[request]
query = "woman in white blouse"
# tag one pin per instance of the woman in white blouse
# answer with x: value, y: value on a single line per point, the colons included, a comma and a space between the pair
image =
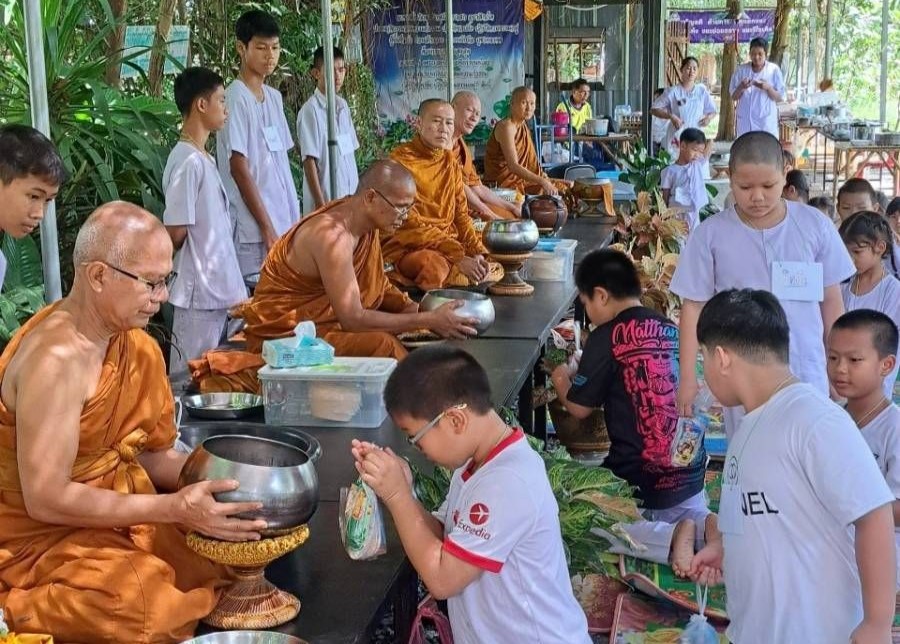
x: 757, y: 87
x: 687, y: 104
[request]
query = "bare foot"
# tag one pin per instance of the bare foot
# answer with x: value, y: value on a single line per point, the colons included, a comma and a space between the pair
x: 683, y: 547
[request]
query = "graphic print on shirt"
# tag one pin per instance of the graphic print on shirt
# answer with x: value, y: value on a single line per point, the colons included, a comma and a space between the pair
x: 647, y: 349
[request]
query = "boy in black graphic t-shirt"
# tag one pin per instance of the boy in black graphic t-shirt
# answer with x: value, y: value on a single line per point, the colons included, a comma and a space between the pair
x: 630, y: 368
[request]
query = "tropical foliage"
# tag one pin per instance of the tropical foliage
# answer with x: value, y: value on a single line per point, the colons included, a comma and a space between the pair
x: 23, y: 286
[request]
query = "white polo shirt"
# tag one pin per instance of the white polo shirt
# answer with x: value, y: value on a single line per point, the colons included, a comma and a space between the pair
x: 208, y: 273
x: 503, y: 518
x: 260, y: 132
x: 312, y: 134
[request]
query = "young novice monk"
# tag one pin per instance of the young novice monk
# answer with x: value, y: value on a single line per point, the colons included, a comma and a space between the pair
x: 494, y: 548
x: 763, y: 242
x: 683, y: 182
x: 862, y: 349
x: 252, y: 148
x: 31, y: 173
x: 312, y: 134
x: 855, y: 196
x: 630, y: 368
x: 805, y: 515
x: 208, y: 280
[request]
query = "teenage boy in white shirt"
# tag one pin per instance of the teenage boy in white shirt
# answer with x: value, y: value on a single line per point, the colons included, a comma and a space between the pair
x: 805, y: 515
x: 252, y: 149
x: 862, y: 349
x: 494, y: 548
x: 312, y: 134
x: 198, y: 220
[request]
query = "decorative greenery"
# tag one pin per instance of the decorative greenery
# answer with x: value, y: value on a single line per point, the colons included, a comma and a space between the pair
x: 643, y: 170
x: 23, y: 286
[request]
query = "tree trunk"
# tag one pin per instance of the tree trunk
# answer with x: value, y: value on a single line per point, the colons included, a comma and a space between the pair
x: 158, y: 54
x: 781, y: 36
x: 729, y: 64
x: 115, y: 43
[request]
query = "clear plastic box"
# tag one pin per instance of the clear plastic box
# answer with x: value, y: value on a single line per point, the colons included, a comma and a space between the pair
x: 346, y: 393
x: 552, y: 260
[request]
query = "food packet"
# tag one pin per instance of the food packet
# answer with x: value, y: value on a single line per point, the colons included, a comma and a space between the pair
x: 687, y: 445
x: 361, y: 523
x: 698, y: 630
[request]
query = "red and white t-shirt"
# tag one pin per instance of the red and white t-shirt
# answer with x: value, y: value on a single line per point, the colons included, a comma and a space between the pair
x: 504, y: 519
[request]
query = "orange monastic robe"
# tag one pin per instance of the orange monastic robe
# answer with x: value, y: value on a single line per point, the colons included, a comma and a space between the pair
x: 470, y: 176
x: 139, y: 584
x: 284, y: 298
x: 496, y: 168
x: 439, y: 231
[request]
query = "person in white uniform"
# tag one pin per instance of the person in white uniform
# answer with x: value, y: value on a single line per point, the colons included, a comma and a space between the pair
x: 31, y: 174
x: 862, y: 347
x: 757, y: 87
x: 683, y: 182
x: 252, y: 149
x: 208, y: 279
x: 807, y: 547
x: 312, y: 135
x: 763, y: 242
x: 687, y: 104
x: 494, y: 548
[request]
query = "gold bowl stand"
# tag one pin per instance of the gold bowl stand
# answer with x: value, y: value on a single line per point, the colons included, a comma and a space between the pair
x: 512, y: 283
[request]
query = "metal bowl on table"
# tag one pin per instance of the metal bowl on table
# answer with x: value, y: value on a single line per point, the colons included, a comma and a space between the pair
x: 193, y: 434
x: 246, y: 637
x: 278, y: 475
x: 511, y: 235
x: 590, y: 188
x: 222, y: 406
x: 507, y: 194
x: 475, y: 305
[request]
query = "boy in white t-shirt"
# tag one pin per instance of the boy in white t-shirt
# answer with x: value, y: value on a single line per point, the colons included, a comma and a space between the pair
x: 763, y: 242
x: 252, y: 148
x: 808, y: 550
x: 312, y: 134
x: 198, y: 220
x: 862, y: 348
x: 683, y: 182
x: 494, y: 548
x: 31, y: 173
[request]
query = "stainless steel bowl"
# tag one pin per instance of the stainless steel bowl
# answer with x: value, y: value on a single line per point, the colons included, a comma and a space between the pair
x: 222, y: 406
x: 475, y: 305
x: 510, y: 235
x: 279, y: 475
x: 193, y: 434
x: 246, y: 637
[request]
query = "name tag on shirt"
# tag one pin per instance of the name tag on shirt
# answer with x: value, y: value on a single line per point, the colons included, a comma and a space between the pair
x: 273, y: 139
x: 345, y: 144
x: 798, y: 281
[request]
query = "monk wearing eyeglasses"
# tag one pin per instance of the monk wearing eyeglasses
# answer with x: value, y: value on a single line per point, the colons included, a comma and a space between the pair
x: 92, y: 540
x: 438, y: 245
x: 329, y: 269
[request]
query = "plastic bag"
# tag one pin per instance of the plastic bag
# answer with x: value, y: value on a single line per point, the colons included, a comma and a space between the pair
x: 428, y: 610
x: 698, y: 630
x: 361, y: 523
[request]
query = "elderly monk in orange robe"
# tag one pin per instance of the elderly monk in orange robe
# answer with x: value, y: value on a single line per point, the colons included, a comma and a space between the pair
x: 483, y: 203
x: 329, y: 269
x: 90, y: 544
x: 437, y: 246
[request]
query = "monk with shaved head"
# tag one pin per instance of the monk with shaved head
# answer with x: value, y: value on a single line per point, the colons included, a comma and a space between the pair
x: 483, y: 203
x: 329, y: 269
x: 438, y: 245
x: 91, y: 541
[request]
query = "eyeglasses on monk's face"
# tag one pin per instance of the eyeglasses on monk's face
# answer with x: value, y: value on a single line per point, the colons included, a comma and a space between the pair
x: 418, y: 435
x: 153, y: 288
x: 402, y: 212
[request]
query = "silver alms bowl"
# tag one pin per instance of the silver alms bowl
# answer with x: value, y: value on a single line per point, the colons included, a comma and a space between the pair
x: 475, y: 305
x: 510, y: 235
x: 276, y: 474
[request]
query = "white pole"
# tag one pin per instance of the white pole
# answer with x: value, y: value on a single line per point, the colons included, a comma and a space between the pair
x: 328, y: 48
x: 40, y: 119
x: 829, y: 33
x: 812, y: 58
x: 450, y: 79
x: 885, y: 23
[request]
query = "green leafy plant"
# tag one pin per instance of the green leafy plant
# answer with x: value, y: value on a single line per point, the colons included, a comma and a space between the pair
x: 643, y: 170
x: 23, y: 287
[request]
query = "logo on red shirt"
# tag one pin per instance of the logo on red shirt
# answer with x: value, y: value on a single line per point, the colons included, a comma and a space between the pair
x: 479, y: 514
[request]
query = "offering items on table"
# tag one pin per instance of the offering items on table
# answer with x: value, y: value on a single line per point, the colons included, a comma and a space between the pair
x: 510, y: 244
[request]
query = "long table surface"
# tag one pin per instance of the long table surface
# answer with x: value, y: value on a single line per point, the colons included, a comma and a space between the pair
x: 531, y: 316
x: 590, y: 234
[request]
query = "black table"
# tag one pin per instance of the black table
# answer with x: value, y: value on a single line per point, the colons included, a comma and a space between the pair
x: 590, y: 234
x: 531, y: 317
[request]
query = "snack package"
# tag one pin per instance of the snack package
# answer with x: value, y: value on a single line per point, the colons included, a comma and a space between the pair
x: 304, y: 349
x: 688, y: 442
x: 698, y: 630
x: 362, y: 527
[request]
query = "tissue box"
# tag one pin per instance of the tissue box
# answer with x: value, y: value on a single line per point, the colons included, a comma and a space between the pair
x: 285, y: 353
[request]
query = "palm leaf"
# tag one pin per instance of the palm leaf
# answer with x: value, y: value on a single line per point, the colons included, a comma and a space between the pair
x: 23, y: 263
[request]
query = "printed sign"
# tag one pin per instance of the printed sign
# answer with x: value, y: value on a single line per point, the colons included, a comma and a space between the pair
x: 717, y: 27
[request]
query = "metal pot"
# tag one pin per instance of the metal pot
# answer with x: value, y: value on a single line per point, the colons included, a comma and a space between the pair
x: 510, y: 235
x: 279, y: 475
x: 861, y: 131
x: 475, y: 305
x: 547, y: 211
x: 194, y: 433
x: 590, y: 188
x: 887, y: 138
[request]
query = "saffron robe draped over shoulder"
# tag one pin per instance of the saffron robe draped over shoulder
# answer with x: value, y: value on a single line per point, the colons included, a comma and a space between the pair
x: 439, y: 230
x: 496, y: 167
x: 463, y: 155
x: 138, y: 584
x: 283, y: 298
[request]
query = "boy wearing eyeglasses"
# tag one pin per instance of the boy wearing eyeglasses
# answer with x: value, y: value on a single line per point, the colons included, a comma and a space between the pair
x: 494, y: 548
x: 198, y: 220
